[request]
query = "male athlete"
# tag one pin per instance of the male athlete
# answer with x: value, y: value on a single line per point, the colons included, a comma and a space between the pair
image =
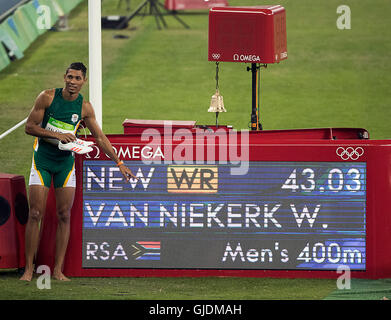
x: 54, y: 120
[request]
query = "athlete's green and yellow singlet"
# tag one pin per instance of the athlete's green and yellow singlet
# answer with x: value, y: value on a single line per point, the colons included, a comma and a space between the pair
x: 48, y: 160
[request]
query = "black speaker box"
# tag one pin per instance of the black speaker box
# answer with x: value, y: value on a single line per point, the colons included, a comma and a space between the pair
x: 112, y: 22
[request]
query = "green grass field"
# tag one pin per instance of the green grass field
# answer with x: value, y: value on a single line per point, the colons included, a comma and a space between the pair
x: 332, y: 78
x: 168, y: 289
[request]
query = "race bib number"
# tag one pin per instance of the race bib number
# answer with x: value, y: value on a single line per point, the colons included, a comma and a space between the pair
x: 58, y: 126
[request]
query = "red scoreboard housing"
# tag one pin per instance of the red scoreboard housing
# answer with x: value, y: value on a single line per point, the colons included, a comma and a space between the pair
x: 247, y: 34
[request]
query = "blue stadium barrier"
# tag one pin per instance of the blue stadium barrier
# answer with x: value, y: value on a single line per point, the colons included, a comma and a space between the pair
x: 27, y: 23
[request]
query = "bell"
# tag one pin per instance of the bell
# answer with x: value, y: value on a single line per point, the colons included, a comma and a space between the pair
x: 217, y: 103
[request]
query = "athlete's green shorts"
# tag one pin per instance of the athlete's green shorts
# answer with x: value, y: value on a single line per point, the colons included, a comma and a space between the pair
x: 44, y: 168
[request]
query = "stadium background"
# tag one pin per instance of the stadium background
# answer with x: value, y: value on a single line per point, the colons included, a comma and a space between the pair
x: 332, y: 78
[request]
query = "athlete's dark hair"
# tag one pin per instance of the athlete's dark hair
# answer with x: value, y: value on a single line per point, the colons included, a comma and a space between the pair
x: 78, y: 66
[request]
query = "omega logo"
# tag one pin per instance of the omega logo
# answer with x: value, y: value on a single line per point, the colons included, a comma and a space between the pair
x: 246, y: 57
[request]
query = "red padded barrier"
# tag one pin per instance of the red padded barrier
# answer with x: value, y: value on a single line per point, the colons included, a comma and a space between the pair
x: 13, y: 218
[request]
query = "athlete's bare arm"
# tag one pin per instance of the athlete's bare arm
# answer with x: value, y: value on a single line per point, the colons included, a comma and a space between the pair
x: 34, y: 120
x: 88, y: 115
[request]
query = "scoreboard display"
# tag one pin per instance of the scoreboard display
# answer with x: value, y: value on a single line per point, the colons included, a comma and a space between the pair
x: 279, y: 215
x: 281, y: 203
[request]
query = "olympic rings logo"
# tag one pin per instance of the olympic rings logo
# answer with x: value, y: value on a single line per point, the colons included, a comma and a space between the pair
x: 350, y: 153
x: 216, y: 56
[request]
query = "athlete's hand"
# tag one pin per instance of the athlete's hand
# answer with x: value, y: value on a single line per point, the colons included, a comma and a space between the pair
x: 127, y: 173
x: 66, y: 137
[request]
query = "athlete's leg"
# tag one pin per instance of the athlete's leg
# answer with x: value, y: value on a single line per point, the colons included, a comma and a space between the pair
x: 37, y: 203
x: 64, y: 202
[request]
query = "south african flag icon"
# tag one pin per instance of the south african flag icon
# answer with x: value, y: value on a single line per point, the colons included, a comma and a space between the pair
x: 150, y: 249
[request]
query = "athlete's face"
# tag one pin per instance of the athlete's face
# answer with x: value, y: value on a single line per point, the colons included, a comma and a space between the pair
x: 74, y: 80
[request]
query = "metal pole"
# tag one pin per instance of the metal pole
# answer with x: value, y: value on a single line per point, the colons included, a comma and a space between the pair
x: 95, y: 57
x: 254, y: 118
x: 12, y: 129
